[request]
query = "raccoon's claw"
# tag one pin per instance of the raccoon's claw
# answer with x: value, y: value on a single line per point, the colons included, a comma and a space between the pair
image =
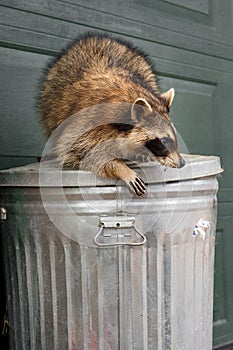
x: 137, y: 186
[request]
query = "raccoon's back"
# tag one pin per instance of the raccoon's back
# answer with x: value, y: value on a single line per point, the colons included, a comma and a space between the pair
x: 94, y: 69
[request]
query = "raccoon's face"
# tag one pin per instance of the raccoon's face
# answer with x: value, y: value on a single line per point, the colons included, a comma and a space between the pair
x: 156, y: 134
x: 163, y: 145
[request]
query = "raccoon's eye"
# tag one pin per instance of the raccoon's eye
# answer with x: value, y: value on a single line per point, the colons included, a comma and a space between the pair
x: 164, y: 141
x: 168, y: 143
x: 157, y: 147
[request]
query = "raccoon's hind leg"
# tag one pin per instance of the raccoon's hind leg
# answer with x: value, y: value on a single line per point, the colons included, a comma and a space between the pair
x: 117, y: 169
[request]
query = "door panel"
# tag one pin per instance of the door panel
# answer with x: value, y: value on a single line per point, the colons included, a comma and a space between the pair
x: 193, y: 105
x: 21, y: 136
x: 223, y: 317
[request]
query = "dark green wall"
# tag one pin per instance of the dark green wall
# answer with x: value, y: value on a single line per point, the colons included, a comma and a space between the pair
x: 191, y: 43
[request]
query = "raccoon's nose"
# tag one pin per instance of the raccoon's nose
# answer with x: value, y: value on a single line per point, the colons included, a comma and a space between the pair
x: 182, y: 162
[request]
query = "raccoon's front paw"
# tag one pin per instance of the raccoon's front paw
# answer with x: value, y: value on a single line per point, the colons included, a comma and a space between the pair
x: 136, y: 186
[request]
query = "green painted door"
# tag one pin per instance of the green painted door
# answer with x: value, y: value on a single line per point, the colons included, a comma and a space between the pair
x: 191, y: 43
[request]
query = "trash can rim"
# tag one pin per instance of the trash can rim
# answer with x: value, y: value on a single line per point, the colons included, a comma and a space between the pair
x: 197, y: 166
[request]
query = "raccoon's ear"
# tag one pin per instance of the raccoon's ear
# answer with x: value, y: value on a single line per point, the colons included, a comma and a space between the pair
x: 139, y: 107
x: 169, y: 96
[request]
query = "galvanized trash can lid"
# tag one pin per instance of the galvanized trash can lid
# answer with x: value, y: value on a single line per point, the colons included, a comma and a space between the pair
x: 197, y: 166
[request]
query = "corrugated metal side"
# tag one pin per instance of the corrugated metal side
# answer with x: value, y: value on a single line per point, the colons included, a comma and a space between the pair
x: 72, y: 295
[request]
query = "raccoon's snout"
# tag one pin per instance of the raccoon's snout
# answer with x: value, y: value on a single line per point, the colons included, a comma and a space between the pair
x: 181, y: 162
x: 172, y: 160
x: 165, y: 150
x: 178, y: 161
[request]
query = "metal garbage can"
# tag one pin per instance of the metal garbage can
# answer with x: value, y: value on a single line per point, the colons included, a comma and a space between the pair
x: 88, y: 267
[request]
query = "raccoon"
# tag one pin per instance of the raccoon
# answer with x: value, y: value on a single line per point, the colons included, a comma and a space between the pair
x: 110, y: 88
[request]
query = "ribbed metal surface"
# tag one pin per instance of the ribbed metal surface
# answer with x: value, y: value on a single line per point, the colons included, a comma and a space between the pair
x: 70, y: 294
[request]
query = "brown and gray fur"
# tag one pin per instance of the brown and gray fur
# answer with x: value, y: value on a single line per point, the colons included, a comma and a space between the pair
x: 111, y: 90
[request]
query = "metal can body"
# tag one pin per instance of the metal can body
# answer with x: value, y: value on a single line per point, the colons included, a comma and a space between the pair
x: 67, y: 292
